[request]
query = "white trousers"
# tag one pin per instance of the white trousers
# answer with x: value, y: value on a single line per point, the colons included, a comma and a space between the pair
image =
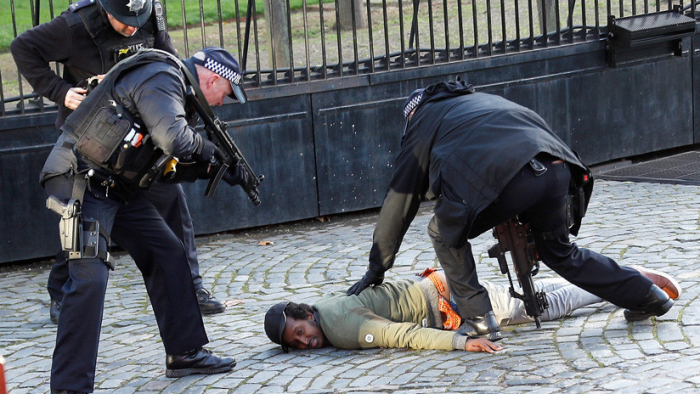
x: 563, y: 298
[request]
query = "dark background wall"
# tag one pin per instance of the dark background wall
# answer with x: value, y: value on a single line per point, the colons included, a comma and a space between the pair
x: 328, y: 148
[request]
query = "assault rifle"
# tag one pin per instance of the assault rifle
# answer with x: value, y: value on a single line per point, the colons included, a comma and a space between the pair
x: 515, y: 238
x: 216, y: 132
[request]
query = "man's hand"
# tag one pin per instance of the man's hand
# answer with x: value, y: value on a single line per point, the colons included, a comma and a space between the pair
x: 206, y: 151
x: 236, y: 175
x: 371, y: 278
x: 481, y: 345
x: 74, y: 96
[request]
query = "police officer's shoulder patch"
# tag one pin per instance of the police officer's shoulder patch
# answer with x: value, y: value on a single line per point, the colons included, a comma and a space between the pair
x: 80, y: 4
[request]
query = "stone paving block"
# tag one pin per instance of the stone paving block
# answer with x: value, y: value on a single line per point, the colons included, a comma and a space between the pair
x: 651, y: 225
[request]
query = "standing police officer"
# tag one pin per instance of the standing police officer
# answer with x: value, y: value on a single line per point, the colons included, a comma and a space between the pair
x: 89, y: 39
x: 132, y: 130
x: 487, y: 159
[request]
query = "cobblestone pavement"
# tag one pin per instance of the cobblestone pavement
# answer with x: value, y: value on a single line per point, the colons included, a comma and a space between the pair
x: 593, y: 351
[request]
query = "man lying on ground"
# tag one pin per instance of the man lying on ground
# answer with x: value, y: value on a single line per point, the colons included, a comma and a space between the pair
x: 417, y: 314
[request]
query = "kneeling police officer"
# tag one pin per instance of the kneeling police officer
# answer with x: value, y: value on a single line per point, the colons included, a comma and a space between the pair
x: 135, y: 126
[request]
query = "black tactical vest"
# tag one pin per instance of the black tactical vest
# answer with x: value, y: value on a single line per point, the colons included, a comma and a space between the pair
x: 112, y: 46
x: 105, y: 134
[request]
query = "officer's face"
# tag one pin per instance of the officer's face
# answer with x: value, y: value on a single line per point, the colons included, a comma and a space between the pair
x: 303, y: 334
x: 125, y: 30
x: 215, y: 89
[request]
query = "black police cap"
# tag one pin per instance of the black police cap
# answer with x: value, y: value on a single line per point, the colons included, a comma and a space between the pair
x: 129, y: 12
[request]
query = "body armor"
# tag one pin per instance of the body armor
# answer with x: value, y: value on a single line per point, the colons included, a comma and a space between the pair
x: 107, y: 135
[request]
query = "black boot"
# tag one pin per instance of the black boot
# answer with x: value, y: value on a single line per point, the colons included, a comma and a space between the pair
x: 208, y: 304
x: 656, y: 303
x: 54, y: 391
x: 197, y: 361
x: 481, y: 327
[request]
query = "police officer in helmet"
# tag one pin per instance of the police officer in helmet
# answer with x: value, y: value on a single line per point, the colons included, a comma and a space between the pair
x: 128, y: 133
x: 89, y: 39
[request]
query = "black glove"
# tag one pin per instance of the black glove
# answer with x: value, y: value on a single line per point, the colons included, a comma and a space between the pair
x: 236, y: 175
x: 205, y: 151
x: 371, y: 278
x: 187, y: 172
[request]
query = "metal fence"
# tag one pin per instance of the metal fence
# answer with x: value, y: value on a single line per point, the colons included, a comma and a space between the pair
x: 383, y: 35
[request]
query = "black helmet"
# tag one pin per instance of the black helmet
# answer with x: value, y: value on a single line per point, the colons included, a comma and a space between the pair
x: 129, y: 12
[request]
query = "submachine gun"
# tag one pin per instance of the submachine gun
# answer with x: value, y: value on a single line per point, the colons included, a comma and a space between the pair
x: 216, y: 132
x: 516, y: 238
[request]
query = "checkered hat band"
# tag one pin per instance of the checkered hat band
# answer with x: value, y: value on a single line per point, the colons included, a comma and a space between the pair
x: 223, y: 71
x: 411, y: 105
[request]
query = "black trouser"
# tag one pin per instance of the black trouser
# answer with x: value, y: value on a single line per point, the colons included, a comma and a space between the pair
x: 161, y: 257
x: 539, y: 200
x: 171, y: 203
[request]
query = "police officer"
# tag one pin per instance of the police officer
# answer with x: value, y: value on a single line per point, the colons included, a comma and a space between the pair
x: 118, y: 141
x: 89, y: 39
x: 486, y: 160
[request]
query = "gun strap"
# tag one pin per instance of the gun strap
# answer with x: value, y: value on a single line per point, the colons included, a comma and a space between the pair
x: 199, y: 95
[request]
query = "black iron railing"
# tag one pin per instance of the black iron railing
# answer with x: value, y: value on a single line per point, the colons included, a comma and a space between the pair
x: 381, y: 35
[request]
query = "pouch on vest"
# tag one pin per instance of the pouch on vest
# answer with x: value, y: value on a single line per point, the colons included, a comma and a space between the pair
x: 115, y: 142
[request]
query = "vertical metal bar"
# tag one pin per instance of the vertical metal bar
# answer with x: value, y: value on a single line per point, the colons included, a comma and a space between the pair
x: 431, y: 32
x: 201, y: 22
x: 20, y: 103
x: 489, y: 26
x: 622, y: 8
x: 401, y: 33
x: 634, y: 7
x: 324, y: 71
x: 221, y: 24
x: 306, y: 40
x: 476, y: 29
x: 545, y: 28
x: 461, y: 29
x: 370, y: 37
x: 503, y: 26
x: 291, y: 47
x: 584, y: 25
x: 570, y: 19
x: 2, y: 98
x: 184, y: 29
x: 32, y: 13
x: 271, y: 45
x: 354, y: 37
x: 258, y: 66
x: 241, y: 57
x: 387, y: 49
x: 646, y: 6
x: 339, y: 38
x: 414, y: 25
x: 248, y: 18
x: 532, y: 24
x: 557, y: 24
x: 597, y: 21
x: 447, y: 30
x: 517, y: 25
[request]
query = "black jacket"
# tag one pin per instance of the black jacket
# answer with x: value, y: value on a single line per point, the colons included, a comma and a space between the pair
x: 152, y: 91
x: 79, y: 39
x: 461, y: 148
